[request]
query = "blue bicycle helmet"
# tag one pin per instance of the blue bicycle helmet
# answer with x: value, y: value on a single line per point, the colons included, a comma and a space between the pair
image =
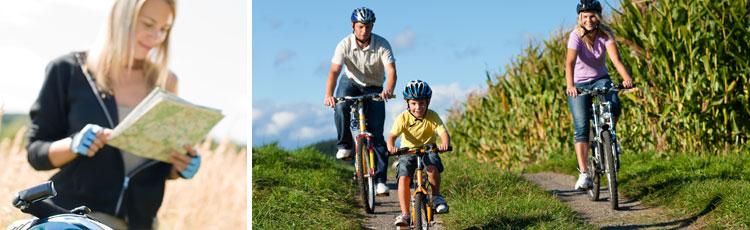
x: 589, y: 5
x: 363, y: 15
x: 417, y: 90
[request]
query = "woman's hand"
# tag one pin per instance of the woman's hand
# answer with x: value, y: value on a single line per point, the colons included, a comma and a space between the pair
x: 186, y: 166
x: 572, y: 91
x: 89, y: 140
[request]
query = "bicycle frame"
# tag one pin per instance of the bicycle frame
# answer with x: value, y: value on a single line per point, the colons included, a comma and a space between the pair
x: 363, y: 133
x: 420, y: 178
x: 603, y: 120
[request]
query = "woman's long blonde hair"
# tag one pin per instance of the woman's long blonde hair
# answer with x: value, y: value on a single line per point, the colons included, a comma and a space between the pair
x: 588, y: 38
x: 113, y: 54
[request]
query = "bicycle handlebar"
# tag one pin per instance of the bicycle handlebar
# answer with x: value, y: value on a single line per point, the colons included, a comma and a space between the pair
x: 603, y: 90
x: 371, y: 96
x: 424, y: 148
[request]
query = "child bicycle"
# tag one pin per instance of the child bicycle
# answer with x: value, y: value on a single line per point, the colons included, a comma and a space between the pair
x: 605, y: 150
x: 421, y: 209
x: 364, y: 157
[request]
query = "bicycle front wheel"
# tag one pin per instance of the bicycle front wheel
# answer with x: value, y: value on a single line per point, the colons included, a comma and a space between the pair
x: 611, y: 170
x: 364, y: 179
x: 593, y: 171
x: 419, y: 212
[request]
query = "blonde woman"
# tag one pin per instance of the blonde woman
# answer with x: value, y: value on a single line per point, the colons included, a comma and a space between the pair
x: 585, y: 68
x: 85, y: 95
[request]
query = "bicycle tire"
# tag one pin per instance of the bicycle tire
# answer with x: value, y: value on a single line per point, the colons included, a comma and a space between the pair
x: 594, y: 173
x: 360, y: 164
x: 611, y: 170
x: 370, y: 176
x: 420, y: 216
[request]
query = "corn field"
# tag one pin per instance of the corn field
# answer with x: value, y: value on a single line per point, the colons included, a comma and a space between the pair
x: 689, y: 58
x: 214, y: 199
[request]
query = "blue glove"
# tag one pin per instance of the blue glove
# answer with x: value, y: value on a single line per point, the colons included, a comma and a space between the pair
x: 83, y: 139
x: 192, y: 168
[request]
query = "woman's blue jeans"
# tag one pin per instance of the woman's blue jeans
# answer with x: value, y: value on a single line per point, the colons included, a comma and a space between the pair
x: 580, y: 107
x: 375, y: 115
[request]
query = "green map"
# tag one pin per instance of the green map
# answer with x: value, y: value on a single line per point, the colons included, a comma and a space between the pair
x: 161, y: 124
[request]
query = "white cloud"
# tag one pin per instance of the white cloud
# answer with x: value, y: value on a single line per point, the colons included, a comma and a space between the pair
x: 405, y: 39
x: 279, y: 122
x: 257, y: 113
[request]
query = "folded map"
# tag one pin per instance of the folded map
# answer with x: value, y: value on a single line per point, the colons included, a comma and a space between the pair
x: 161, y: 124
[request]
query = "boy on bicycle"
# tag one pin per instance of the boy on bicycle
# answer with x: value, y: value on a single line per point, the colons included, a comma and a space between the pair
x: 418, y: 126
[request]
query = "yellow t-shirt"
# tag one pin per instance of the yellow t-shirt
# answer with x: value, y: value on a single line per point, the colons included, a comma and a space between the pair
x: 415, y: 132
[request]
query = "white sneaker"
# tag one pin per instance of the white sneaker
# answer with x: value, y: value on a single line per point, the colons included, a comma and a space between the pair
x: 381, y: 189
x: 343, y: 154
x: 440, y: 205
x: 584, y: 182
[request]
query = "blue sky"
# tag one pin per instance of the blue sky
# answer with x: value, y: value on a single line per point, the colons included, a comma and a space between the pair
x: 449, y: 44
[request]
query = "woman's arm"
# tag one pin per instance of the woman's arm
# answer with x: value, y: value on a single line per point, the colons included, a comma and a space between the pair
x: 614, y: 56
x: 570, y: 59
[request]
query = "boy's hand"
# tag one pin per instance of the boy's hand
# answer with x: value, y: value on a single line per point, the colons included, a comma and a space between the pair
x: 391, y: 148
x: 443, y: 147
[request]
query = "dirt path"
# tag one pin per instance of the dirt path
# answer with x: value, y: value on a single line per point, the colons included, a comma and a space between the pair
x: 386, y: 210
x: 632, y: 215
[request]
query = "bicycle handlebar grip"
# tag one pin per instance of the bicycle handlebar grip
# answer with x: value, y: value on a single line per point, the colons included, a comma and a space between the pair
x: 36, y: 193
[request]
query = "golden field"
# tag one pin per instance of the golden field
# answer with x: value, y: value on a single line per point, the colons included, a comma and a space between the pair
x: 215, y: 198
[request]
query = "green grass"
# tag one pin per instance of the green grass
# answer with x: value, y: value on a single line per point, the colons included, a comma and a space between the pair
x: 715, y: 189
x: 481, y: 196
x: 301, y: 189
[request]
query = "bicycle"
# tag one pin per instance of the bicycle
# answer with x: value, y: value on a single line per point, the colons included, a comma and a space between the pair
x: 605, y: 150
x: 49, y: 215
x: 421, y: 202
x: 364, y: 157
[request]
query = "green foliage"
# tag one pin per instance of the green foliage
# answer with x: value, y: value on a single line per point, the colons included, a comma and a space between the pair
x: 483, y: 197
x: 301, y: 190
x: 688, y: 57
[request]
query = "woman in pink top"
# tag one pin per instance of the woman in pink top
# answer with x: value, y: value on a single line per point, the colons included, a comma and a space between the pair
x: 585, y: 68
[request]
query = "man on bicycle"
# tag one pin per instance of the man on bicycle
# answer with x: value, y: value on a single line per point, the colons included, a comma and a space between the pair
x: 367, y: 57
x: 418, y: 126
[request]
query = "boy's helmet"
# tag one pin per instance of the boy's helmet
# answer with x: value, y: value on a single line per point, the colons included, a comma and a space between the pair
x: 363, y: 15
x: 589, y: 5
x: 417, y: 90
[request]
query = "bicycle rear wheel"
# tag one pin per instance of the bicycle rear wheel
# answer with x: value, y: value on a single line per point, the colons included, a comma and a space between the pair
x: 611, y: 170
x: 364, y: 179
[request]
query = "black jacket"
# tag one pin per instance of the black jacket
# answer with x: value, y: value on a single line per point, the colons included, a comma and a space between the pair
x: 66, y: 103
